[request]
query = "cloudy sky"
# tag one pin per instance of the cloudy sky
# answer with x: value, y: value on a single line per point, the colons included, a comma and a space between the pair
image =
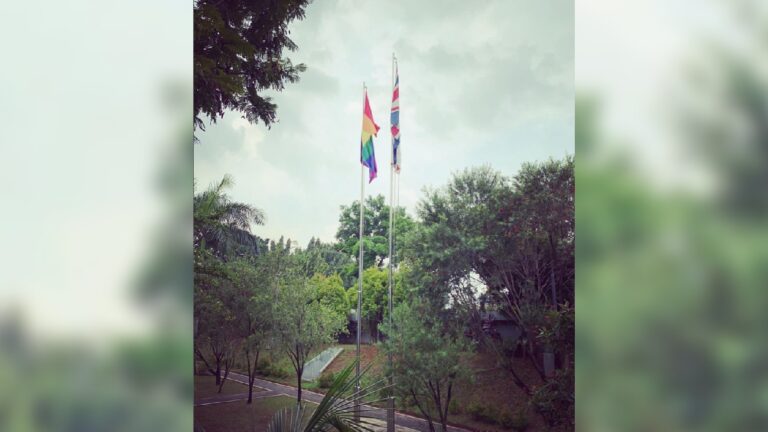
x: 480, y: 83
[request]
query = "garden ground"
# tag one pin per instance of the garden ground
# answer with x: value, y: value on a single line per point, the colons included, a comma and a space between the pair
x: 493, y: 386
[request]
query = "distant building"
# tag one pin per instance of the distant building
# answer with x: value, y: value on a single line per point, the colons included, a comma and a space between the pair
x: 351, y: 338
x: 500, y: 326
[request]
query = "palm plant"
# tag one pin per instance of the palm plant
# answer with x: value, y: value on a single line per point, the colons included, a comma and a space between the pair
x: 335, y: 412
x: 219, y: 222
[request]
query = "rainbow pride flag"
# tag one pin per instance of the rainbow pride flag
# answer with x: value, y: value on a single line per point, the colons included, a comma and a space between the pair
x: 370, y: 128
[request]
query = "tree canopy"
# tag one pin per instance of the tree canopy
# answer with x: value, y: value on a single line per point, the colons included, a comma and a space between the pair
x: 239, y: 54
x: 375, y: 231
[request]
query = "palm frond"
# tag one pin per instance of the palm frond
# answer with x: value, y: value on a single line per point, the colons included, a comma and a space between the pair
x: 336, y: 410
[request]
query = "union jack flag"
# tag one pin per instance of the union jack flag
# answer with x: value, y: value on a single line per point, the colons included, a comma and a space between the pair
x: 394, y: 120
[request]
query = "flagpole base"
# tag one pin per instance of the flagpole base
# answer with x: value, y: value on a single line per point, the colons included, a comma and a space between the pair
x: 357, y: 403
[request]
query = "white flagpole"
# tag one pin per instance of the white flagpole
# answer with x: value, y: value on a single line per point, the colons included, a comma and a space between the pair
x: 391, y: 402
x: 360, y: 276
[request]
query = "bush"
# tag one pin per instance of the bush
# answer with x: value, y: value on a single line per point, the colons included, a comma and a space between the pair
x: 505, y: 419
x: 519, y: 421
x: 454, y: 407
x: 483, y: 413
x: 276, y: 372
x: 264, y: 365
x: 555, y: 399
x: 326, y: 379
x: 475, y: 410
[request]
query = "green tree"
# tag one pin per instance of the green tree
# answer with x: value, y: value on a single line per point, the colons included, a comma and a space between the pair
x: 239, y: 53
x: 427, y: 360
x: 215, y: 321
x: 221, y: 224
x: 511, y: 241
x: 375, y: 296
x: 221, y: 227
x: 450, y: 248
x: 323, y: 258
x: 375, y: 231
x: 302, y: 322
x: 330, y: 293
x: 253, y: 305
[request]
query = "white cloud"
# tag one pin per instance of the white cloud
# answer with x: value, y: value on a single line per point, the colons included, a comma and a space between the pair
x: 252, y: 136
x: 480, y: 83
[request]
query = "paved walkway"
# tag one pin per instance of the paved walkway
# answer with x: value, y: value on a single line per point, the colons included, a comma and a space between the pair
x: 270, y: 389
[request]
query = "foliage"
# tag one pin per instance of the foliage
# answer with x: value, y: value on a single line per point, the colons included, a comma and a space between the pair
x: 556, y: 332
x: 276, y: 371
x: 484, y: 231
x: 483, y: 412
x: 223, y: 225
x: 335, y: 410
x: 375, y: 231
x: 518, y: 420
x: 554, y: 400
x: 253, y: 303
x: 238, y: 54
x: 427, y: 360
x: 488, y: 242
x: 376, y: 294
x: 326, y: 379
x: 302, y: 322
x: 331, y: 294
x: 324, y: 258
x: 454, y: 407
x: 264, y: 365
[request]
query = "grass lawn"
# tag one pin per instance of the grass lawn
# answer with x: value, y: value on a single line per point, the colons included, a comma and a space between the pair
x: 240, y: 417
x: 205, y: 386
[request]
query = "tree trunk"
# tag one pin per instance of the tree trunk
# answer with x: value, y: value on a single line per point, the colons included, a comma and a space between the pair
x: 423, y: 412
x: 251, y: 373
x: 218, y: 372
x: 552, y: 265
x: 227, y: 365
x: 299, y: 371
x: 554, y: 289
x: 444, y: 412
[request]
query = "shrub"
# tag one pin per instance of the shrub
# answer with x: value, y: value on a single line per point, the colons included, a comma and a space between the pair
x: 483, y: 413
x: 326, y: 379
x: 505, y: 419
x: 264, y: 365
x: 554, y: 400
x: 454, y: 407
x: 475, y: 410
x: 519, y: 421
x: 491, y: 414
x: 276, y: 372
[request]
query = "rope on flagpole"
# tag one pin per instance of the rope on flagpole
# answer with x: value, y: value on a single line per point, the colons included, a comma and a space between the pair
x: 360, y: 274
x: 391, y: 402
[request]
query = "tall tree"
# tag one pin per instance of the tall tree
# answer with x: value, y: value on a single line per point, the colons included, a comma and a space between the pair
x: 215, y: 325
x: 427, y: 360
x: 375, y: 297
x: 220, y: 224
x: 239, y: 53
x: 375, y: 231
x: 323, y: 258
x: 253, y: 303
x: 303, y: 323
x: 330, y: 293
